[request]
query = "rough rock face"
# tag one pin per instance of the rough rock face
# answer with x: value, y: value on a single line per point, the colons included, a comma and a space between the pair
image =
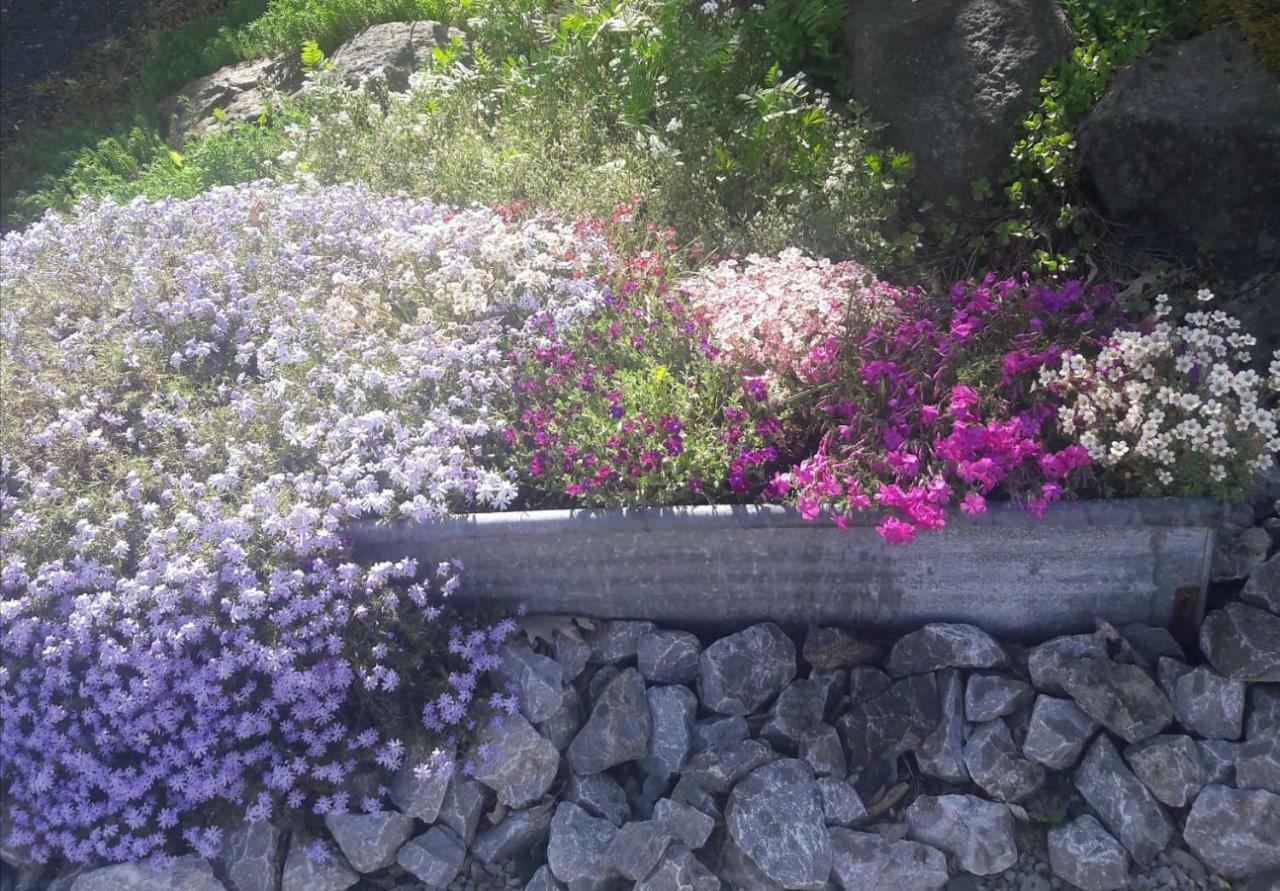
x: 1170, y: 767
x: 387, y: 54
x: 1126, y: 807
x: 242, y: 91
x: 1087, y: 856
x: 539, y: 681
x: 250, y: 856
x: 1243, y: 642
x: 1057, y: 733
x: 1234, y: 831
x: 528, y: 764
x: 184, y: 874
x: 668, y: 657
x: 996, y: 765
x: 739, y: 673
x: 978, y: 833
x: 679, y: 870
x: 941, y: 754
x: 1208, y: 704
x: 671, y: 716
x: 329, y: 873
x: 578, y: 843
x: 866, y: 860
x: 943, y: 645
x: 1263, y: 587
x: 1207, y: 115
x: 991, y: 696
x: 518, y: 831
x: 420, y: 784
x: 370, y: 841
x: 774, y: 814
x: 434, y: 857
x: 618, y: 729
x: 952, y: 79
x: 893, y: 722
x: 1048, y: 662
x: 1122, y: 698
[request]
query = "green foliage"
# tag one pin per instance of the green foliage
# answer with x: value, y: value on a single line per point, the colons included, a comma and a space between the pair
x: 1260, y: 21
x: 806, y: 35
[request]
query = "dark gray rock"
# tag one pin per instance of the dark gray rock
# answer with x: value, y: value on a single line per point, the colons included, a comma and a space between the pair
x: 688, y: 791
x: 991, y: 696
x: 617, y: 641
x: 1057, y: 733
x: 964, y: 74
x: 251, y: 856
x: 1047, y: 662
x: 873, y: 780
x: 841, y: 804
x: 740, y: 673
x: 1125, y: 806
x: 941, y: 753
x: 370, y: 841
x: 717, y: 768
x: 1263, y: 588
x: 1122, y: 698
x: 464, y: 803
x: 600, y: 796
x: 671, y: 712
x: 302, y: 873
x: 719, y: 729
x: 686, y: 824
x: 578, y: 843
x: 978, y: 833
x: 867, y: 682
x: 1243, y: 642
x: 618, y: 729
x: 941, y: 645
x: 738, y: 871
x: 564, y: 725
x: 1234, y: 831
x: 679, y: 870
x: 1208, y: 704
x: 637, y: 848
x: 434, y: 857
x: 1237, y: 555
x: 597, y: 679
x: 525, y: 763
x: 1170, y: 767
x: 801, y: 705
x: 1219, y: 759
x: 383, y: 56
x: 1264, y: 711
x: 572, y: 652
x: 1152, y: 643
x: 518, y: 832
x: 891, y: 723
x: 668, y: 657
x: 538, y: 681
x: 1258, y: 763
x: 820, y: 748
x: 420, y: 783
x: 1167, y: 673
x: 1086, y: 855
x: 863, y: 860
x: 775, y: 816
x: 543, y: 880
x: 182, y: 874
x: 997, y: 766
x: 830, y: 649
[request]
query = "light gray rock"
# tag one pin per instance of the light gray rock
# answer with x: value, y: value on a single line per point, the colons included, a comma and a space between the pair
x: 539, y: 681
x: 1047, y: 662
x: 525, y: 764
x: 183, y: 874
x: 251, y: 856
x: 687, y: 825
x: 1208, y: 704
x: 517, y: 832
x: 434, y: 857
x: 891, y: 723
x: 617, y: 641
x: 370, y: 841
x: 1057, y: 733
x: 801, y: 704
x: 240, y: 92
x: 719, y: 729
x: 672, y: 711
x: 1122, y: 698
x: 717, y: 768
x: 383, y: 56
x: 578, y: 843
x: 543, y: 880
x: 464, y: 803
x: 867, y: 682
x: 941, y: 645
x: 841, y: 804
x: 1237, y: 556
x: 774, y: 815
x: 820, y: 748
x: 941, y: 753
x: 864, y: 860
x: 1258, y: 762
x: 1263, y: 587
x: 302, y: 873
x: 996, y: 765
x: 637, y: 847
x: 978, y: 833
x: 1125, y: 806
x: 1243, y: 642
x: 740, y: 673
x: 679, y: 870
x: 1219, y: 759
x: 1170, y: 767
x: 1234, y: 831
x: 600, y: 796
x: 420, y: 783
x: 1086, y: 855
x: 618, y: 729
x: 568, y: 719
x: 830, y: 649
x: 668, y: 657
x: 572, y: 652
x: 991, y: 696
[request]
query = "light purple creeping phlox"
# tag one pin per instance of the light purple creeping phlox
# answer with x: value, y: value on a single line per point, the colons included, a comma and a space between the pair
x: 198, y: 394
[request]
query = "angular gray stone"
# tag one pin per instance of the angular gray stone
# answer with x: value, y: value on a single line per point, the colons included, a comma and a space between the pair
x: 1167, y: 673
x: 616, y: 641
x: 1237, y: 556
x: 328, y: 873
x: 1258, y: 763
x: 434, y: 857
x: 242, y: 92
x: 841, y: 804
x: 1219, y: 759
x: 801, y: 704
x: 1122, y: 698
x: 385, y: 55
x: 821, y: 749
x: 964, y: 75
x: 637, y: 848
x: 251, y: 855
x: 1264, y: 711
x: 738, y: 871
x: 618, y: 729
x: 717, y: 768
x: 668, y: 657
x: 740, y: 673
x: 688, y: 791
x: 599, y: 678
x: 1243, y: 642
x: 1152, y: 642
x: 420, y: 783
x: 183, y: 874
x: 1208, y: 704
x: 997, y: 766
x: 991, y: 696
x: 867, y: 682
x: 864, y: 860
x: 891, y: 723
x: 679, y: 870
x: 464, y: 803
x: 1263, y: 587
x: 1125, y: 806
x: 518, y: 831
x: 600, y: 796
x: 524, y: 765
x: 564, y: 725
x: 572, y: 652
x: 829, y: 649
x: 775, y: 816
x: 978, y: 833
x: 1170, y: 767
x: 1234, y: 831
x: 719, y: 729
x: 578, y: 843
x: 370, y: 841
x: 538, y: 681
x: 1086, y: 855
x: 941, y: 645
x: 543, y: 880
x: 1047, y: 662
x: 672, y: 711
x: 941, y: 754
x: 687, y: 825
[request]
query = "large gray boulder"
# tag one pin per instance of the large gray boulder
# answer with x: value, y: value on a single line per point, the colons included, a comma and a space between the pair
x: 1087, y: 856
x: 1057, y: 732
x: 239, y: 93
x: 1123, y: 698
x: 679, y: 870
x: 538, y: 680
x: 1234, y: 831
x: 996, y: 765
x: 775, y: 816
x: 434, y: 857
x: 327, y: 872
x: 370, y: 841
x: 251, y: 856
x: 740, y: 673
x: 1243, y: 642
x: 1125, y: 805
x: 578, y: 843
x: 618, y: 729
x: 383, y: 56
x: 945, y: 645
x: 1263, y: 587
x: 1170, y: 766
x: 952, y: 79
x: 1186, y: 145
x: 941, y: 754
x: 516, y: 833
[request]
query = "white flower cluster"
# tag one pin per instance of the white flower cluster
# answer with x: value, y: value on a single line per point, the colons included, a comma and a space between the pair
x: 1175, y: 410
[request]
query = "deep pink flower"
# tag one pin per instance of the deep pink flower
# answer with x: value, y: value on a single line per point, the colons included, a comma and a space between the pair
x: 894, y: 531
x: 973, y: 504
